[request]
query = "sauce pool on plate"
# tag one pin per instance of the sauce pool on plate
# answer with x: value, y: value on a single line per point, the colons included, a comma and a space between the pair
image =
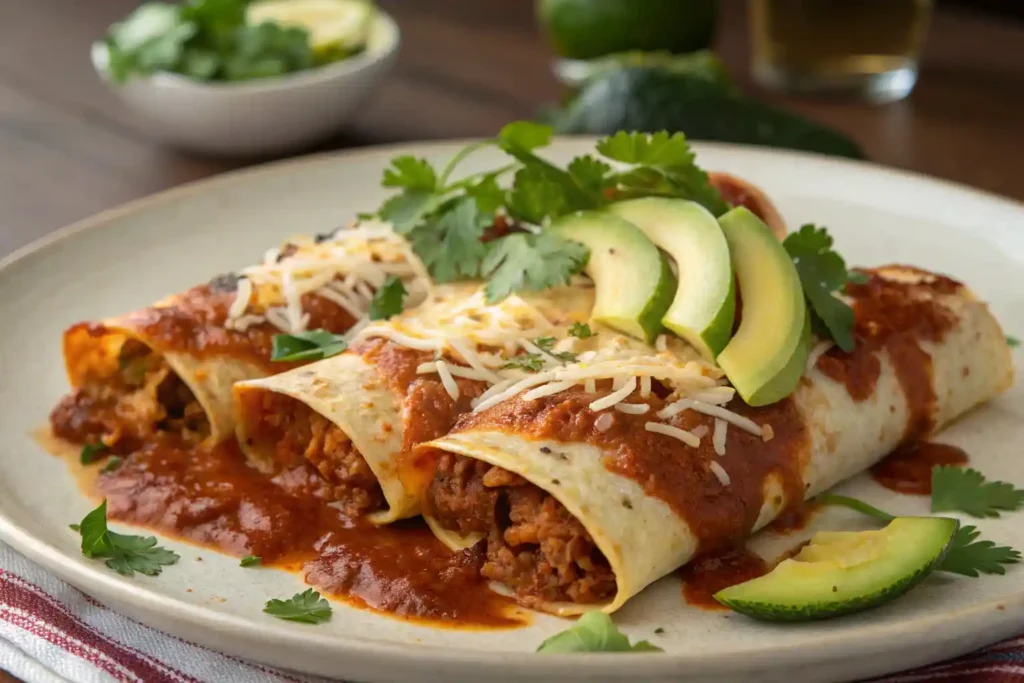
x: 908, y: 469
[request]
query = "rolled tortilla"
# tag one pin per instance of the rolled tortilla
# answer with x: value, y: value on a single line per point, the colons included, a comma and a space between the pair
x: 356, y: 413
x: 169, y: 368
x: 644, y: 503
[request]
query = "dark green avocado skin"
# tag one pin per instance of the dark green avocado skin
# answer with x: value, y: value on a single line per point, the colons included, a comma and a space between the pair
x: 648, y: 99
x: 829, y: 610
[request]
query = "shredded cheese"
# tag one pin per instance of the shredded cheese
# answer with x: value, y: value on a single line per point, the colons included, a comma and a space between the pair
x: 447, y: 380
x: 718, y: 438
x: 819, y: 350
x: 632, y: 408
x: 615, y: 397
x: 675, y: 432
x: 719, y: 472
x: 743, y: 423
x: 604, y: 422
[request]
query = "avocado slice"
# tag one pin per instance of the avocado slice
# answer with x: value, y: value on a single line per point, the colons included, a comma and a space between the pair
x: 634, y: 280
x: 704, y: 306
x: 842, y: 572
x: 765, y: 359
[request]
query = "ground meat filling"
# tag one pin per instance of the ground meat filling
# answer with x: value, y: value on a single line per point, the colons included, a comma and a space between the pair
x: 289, y: 433
x: 534, y: 546
x: 130, y: 402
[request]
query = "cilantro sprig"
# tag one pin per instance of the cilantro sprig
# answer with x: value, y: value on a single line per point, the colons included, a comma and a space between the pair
x: 124, y: 554
x: 594, y: 632
x: 823, y: 275
x: 388, y: 300
x: 306, y: 346
x: 250, y: 561
x: 955, y: 489
x: 967, y: 555
x: 446, y: 221
x: 306, y: 607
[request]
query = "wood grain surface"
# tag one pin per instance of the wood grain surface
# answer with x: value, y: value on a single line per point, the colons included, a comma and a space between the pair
x: 68, y: 149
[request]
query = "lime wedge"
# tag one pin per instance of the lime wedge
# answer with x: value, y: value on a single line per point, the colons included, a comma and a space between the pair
x: 336, y: 27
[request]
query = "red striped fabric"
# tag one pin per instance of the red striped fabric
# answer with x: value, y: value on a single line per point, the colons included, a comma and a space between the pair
x: 51, y: 633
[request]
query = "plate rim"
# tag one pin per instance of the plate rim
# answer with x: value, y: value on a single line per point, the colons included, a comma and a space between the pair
x: 244, y: 631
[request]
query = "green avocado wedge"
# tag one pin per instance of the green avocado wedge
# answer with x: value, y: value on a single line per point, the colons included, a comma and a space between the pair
x: 704, y: 306
x: 633, y: 280
x: 842, y: 572
x: 767, y: 355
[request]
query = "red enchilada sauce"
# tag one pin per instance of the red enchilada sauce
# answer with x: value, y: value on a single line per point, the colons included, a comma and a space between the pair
x: 896, y: 317
x: 908, y: 469
x: 704, y: 576
x: 216, y: 500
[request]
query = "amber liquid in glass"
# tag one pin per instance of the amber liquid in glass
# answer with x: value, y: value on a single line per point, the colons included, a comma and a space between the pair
x: 866, y: 46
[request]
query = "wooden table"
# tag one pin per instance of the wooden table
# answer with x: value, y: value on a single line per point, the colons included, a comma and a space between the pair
x: 67, y: 149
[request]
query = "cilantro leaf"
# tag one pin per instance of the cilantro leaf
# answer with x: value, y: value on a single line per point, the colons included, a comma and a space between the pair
x: 406, y: 210
x: 590, y: 173
x: 581, y: 331
x: 124, y: 554
x: 1012, y: 342
x: 822, y: 274
x: 537, y: 195
x: 657, y: 149
x: 91, y: 452
x: 531, y: 362
x: 547, y: 344
x: 969, y: 557
x: 410, y: 173
x: 526, y: 135
x: 251, y: 561
x: 489, y: 196
x: 966, y: 490
x: 112, y: 465
x: 966, y: 555
x: 593, y: 632
x: 306, y: 346
x: 388, y: 300
x: 306, y: 607
x: 450, y: 247
x: 855, y: 277
x: 664, y: 166
x: 530, y: 262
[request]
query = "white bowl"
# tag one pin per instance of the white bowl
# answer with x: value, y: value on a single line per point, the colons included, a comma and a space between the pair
x: 258, y: 117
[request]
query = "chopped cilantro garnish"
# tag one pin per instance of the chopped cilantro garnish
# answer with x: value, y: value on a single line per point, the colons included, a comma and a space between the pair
x: 124, y: 554
x: 547, y: 344
x: 410, y: 173
x: 251, y: 561
x: 532, y: 362
x: 91, y: 452
x: 112, y: 465
x: 967, y: 555
x: 306, y: 346
x: 823, y: 275
x: 966, y: 490
x: 581, y: 331
x: 388, y: 300
x: 659, y: 631
x: 593, y: 632
x: 531, y: 262
x: 306, y: 607
x: 1012, y: 342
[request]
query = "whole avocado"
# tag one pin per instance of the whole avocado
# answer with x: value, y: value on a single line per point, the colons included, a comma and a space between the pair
x: 585, y: 29
x: 651, y: 99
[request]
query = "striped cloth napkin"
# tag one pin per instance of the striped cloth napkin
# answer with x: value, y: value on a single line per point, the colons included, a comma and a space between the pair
x: 51, y: 632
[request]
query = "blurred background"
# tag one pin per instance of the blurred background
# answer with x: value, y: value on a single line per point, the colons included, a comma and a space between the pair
x: 935, y: 87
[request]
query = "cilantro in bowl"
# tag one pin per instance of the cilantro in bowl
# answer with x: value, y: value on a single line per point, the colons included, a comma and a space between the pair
x: 233, y: 40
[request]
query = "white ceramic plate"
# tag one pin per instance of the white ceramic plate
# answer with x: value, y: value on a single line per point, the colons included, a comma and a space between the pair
x: 130, y: 257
